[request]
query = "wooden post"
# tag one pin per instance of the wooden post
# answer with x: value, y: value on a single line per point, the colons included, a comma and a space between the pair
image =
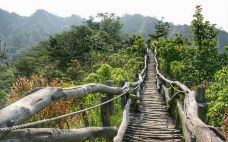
x: 110, y: 105
x: 173, y: 104
x: 105, y: 114
x: 177, y: 120
x: 123, y: 98
x: 84, y: 116
x: 202, y: 103
x: 124, y: 123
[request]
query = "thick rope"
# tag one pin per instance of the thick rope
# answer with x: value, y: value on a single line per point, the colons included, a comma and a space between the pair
x: 27, y: 125
x: 7, y: 129
x: 177, y: 89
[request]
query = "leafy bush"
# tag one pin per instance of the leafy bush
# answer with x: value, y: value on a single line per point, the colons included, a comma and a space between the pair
x: 23, y: 85
x: 217, y: 95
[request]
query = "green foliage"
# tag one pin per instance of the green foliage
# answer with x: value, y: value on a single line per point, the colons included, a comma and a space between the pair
x: 226, y: 47
x: 74, y: 70
x: 204, y: 33
x: 139, y: 45
x: 3, y: 51
x: 3, y: 96
x: 170, y: 50
x: 200, y: 64
x: 95, y: 52
x: 70, y: 45
x: 33, y: 61
x: 104, y: 72
x: 196, y: 64
x: 217, y: 95
x: 177, y: 69
x: 161, y: 30
x: 118, y: 75
x: 6, y: 76
x: 110, y: 23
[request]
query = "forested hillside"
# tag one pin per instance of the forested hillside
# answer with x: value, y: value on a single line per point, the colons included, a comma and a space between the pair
x: 92, y: 53
x: 21, y: 32
x: 98, y: 51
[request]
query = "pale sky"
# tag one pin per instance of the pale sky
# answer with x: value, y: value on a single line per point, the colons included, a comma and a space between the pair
x: 176, y: 11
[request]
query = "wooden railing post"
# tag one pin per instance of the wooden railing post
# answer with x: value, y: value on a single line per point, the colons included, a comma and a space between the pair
x: 123, y: 98
x: 202, y: 103
x: 177, y: 119
x: 84, y: 116
x: 107, y: 110
x: 173, y: 104
x: 110, y: 96
x: 105, y: 113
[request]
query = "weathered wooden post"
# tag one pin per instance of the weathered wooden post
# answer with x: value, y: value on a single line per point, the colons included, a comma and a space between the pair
x: 84, y: 116
x: 123, y: 98
x: 173, y: 103
x: 202, y: 103
x: 107, y: 109
x: 159, y: 84
x: 105, y: 112
x: 110, y: 96
x: 105, y: 115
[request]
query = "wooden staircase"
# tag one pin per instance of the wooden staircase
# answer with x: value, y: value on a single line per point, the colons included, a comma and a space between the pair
x: 152, y: 123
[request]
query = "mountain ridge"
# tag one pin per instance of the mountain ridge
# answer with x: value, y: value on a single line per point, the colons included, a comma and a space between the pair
x: 22, y: 32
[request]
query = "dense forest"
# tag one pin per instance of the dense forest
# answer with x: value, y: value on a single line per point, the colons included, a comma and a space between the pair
x: 97, y: 51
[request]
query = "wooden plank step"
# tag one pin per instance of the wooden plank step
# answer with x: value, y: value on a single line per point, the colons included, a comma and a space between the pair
x: 155, y: 131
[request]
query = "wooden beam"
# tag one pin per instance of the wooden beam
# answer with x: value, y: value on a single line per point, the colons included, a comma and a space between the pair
x: 187, y: 134
x: 33, y: 103
x: 193, y: 123
x: 57, y: 135
x: 124, y: 123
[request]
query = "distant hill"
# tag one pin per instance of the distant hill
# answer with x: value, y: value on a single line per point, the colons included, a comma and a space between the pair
x: 138, y: 24
x: 21, y: 32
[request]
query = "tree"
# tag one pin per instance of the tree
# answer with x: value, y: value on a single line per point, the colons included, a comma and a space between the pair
x: 70, y: 45
x: 110, y: 23
x: 161, y: 30
x: 217, y: 94
x: 204, y: 33
x: 92, y: 24
x: 172, y: 50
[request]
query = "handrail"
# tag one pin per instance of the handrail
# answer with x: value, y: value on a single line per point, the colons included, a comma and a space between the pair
x: 58, y: 135
x: 124, y: 123
x: 31, y: 104
x: 125, y: 119
x: 7, y: 129
x: 193, y: 127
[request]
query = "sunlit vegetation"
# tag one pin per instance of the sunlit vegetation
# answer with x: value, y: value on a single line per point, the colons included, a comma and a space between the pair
x: 199, y: 63
x: 99, y: 51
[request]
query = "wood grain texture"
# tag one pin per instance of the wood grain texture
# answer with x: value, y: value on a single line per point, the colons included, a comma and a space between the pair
x: 57, y: 135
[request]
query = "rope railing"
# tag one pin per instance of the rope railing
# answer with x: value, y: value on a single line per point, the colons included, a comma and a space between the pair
x: 194, y: 129
x: 19, y: 111
x: 27, y: 125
